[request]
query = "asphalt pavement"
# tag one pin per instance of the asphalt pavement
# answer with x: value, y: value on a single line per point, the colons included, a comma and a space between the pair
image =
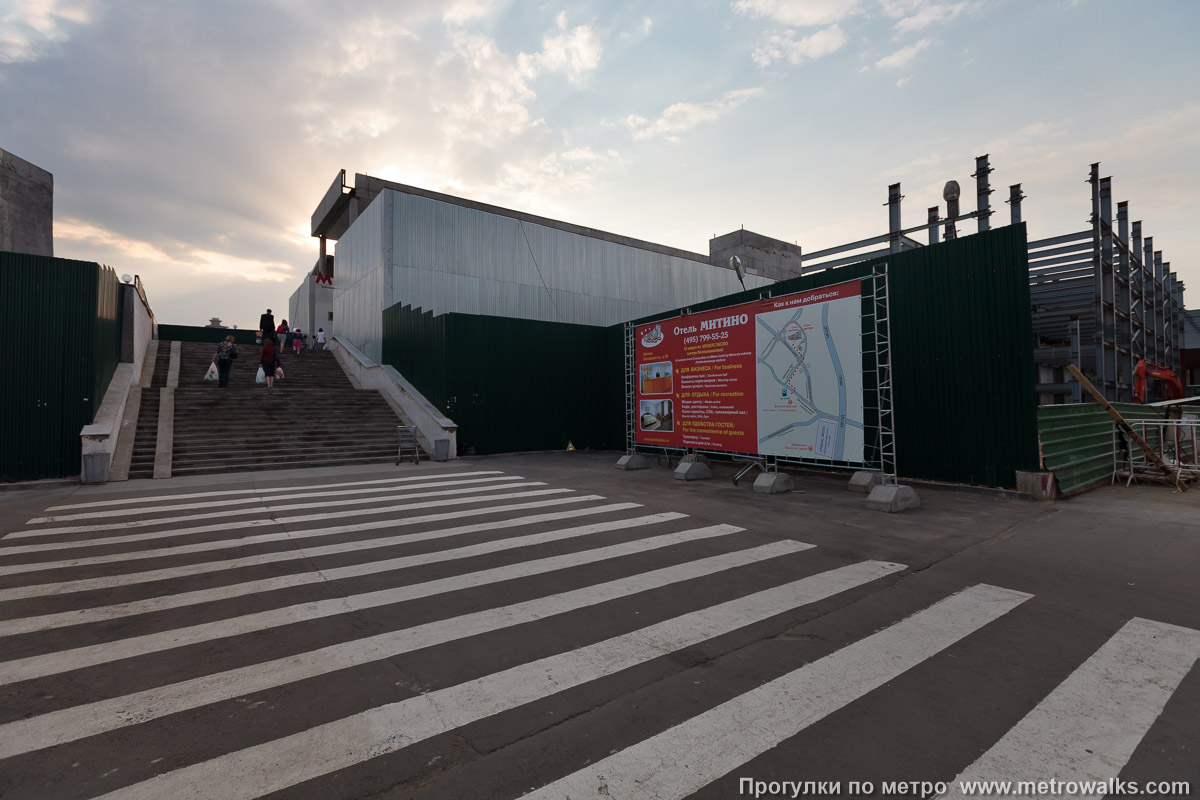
x: 547, y: 625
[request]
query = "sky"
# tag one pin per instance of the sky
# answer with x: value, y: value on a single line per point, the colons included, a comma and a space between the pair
x: 190, y: 142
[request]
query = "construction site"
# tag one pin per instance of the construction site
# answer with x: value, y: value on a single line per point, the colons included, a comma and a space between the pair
x: 561, y: 513
x: 1076, y: 348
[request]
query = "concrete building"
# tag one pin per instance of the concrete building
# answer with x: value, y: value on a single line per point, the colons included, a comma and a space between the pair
x: 439, y: 253
x: 311, y: 306
x: 26, y: 207
x: 1191, y: 351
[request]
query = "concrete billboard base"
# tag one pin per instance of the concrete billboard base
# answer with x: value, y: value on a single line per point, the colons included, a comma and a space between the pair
x: 774, y: 483
x: 692, y: 470
x: 633, y: 461
x: 864, y: 481
x: 893, y: 498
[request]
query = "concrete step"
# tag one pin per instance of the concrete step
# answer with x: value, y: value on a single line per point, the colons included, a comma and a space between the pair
x: 312, y: 417
x: 333, y: 462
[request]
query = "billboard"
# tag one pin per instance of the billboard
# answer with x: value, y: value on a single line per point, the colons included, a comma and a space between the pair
x: 780, y: 376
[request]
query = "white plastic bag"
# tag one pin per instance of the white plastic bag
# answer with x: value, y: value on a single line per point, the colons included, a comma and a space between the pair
x: 212, y: 372
x: 261, y: 377
x: 279, y: 373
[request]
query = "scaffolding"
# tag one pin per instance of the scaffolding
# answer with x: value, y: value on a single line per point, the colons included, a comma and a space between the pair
x: 1103, y: 298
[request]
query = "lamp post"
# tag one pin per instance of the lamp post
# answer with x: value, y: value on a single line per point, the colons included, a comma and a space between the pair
x: 950, y: 195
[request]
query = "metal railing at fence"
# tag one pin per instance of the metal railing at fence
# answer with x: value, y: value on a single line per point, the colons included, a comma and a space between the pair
x: 1174, y: 440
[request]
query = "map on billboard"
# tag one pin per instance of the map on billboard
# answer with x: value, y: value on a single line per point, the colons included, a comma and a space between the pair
x: 809, y: 381
x: 780, y: 376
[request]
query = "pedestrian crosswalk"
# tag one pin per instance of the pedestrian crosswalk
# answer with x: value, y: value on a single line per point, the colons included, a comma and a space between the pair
x: 237, y: 613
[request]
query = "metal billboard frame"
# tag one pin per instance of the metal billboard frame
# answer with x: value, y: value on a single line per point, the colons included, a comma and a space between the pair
x: 881, y: 457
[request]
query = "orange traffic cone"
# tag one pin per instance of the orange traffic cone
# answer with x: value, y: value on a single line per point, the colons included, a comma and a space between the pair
x: 570, y: 447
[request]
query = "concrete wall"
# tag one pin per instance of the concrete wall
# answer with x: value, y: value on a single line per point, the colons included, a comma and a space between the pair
x: 138, y: 328
x: 444, y: 257
x: 760, y: 255
x: 311, y: 306
x: 115, y: 416
x: 26, y: 207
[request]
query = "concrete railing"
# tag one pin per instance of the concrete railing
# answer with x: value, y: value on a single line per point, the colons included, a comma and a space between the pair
x: 436, y: 433
x: 98, y: 441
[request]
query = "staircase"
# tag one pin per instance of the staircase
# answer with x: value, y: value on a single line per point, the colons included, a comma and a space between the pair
x: 313, y: 417
x: 145, y: 439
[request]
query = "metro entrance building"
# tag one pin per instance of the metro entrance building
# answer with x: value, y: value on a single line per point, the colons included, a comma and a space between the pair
x: 517, y: 329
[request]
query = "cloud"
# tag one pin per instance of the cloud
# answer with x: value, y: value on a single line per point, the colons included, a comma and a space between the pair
x: 223, y: 128
x: 199, y: 262
x: 798, y: 13
x: 785, y: 46
x: 31, y: 27
x: 902, y: 82
x: 683, y: 117
x: 463, y: 12
x: 902, y: 56
x: 915, y: 15
x: 574, y: 52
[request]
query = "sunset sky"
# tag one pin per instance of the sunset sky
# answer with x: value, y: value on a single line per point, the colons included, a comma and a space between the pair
x: 190, y: 142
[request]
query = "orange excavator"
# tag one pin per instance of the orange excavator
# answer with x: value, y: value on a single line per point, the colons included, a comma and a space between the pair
x: 1163, y: 383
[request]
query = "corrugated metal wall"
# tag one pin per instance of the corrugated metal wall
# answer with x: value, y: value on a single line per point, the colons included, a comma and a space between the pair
x: 512, y: 384
x: 362, y: 278
x: 449, y: 258
x: 61, y: 323
x: 962, y: 357
x: 445, y: 258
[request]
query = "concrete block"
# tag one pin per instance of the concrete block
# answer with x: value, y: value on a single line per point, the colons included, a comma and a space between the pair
x: 165, y: 444
x: 695, y: 458
x: 173, y: 365
x: 692, y: 471
x: 893, y: 498
x: 123, y: 455
x: 26, y: 207
x: 633, y: 461
x: 774, y: 483
x: 864, y: 481
x: 1039, y: 485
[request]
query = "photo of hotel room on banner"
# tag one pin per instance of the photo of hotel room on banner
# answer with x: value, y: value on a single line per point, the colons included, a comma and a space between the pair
x: 780, y: 376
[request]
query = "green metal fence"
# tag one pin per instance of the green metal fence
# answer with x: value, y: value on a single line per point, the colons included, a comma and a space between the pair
x: 61, y: 322
x: 1078, y: 441
x: 963, y: 371
x: 200, y: 333
x: 510, y: 384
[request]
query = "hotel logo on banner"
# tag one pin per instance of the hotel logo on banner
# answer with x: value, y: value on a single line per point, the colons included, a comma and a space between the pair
x: 778, y: 376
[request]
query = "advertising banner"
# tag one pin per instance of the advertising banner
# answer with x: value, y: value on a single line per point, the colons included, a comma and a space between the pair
x: 781, y: 376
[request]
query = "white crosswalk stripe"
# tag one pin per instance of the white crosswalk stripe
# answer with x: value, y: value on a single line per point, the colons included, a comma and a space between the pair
x: 87, y: 720
x: 683, y: 759
x: 285, y: 762
x: 48, y: 621
x: 142, y: 523
x: 95, y: 648
x: 148, y: 576
x: 1089, y: 726
x: 208, y: 503
x: 266, y: 490
x: 235, y: 544
x: 66, y: 660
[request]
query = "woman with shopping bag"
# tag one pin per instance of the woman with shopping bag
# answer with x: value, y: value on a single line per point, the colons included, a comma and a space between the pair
x: 226, y: 352
x: 268, y: 361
